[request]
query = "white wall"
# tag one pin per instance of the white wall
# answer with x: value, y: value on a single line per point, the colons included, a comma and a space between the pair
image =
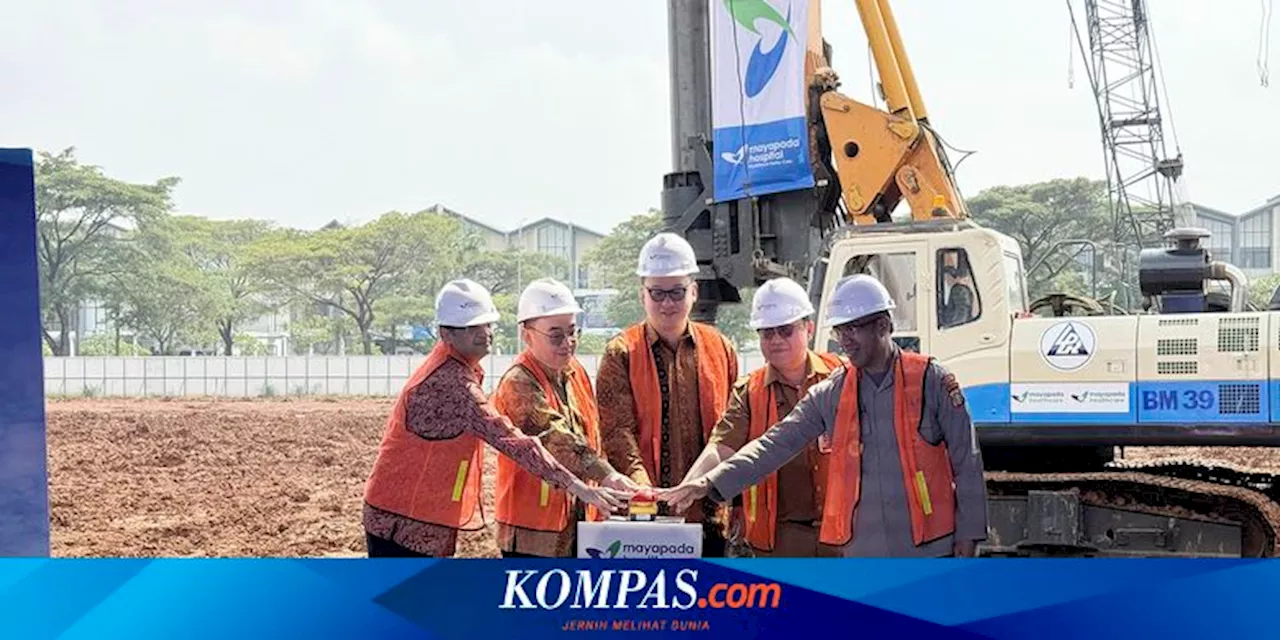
x: 251, y: 376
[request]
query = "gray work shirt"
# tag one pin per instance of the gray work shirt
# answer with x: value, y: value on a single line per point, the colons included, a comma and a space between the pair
x: 882, y: 522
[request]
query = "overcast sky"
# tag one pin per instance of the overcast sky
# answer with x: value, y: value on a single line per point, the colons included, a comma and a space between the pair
x: 303, y: 111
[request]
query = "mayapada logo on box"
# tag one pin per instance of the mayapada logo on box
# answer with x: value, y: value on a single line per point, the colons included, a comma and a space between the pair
x: 628, y: 550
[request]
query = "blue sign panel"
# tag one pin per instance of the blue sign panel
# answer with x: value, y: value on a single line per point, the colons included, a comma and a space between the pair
x: 24, y: 500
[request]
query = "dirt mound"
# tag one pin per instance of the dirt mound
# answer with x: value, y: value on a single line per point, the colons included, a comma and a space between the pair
x: 217, y: 478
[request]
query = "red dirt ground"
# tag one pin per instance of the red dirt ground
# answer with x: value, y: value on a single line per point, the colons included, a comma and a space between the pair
x: 217, y: 478
x: 270, y: 477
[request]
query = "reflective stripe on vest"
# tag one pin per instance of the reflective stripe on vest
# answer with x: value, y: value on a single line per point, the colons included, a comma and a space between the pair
x: 761, y: 499
x: 714, y: 384
x: 926, y: 469
x: 435, y: 481
x: 521, y: 498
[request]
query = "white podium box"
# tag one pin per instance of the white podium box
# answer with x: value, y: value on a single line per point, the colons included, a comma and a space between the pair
x: 618, y: 537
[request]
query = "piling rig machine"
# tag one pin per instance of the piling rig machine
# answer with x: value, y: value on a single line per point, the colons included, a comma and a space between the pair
x: 1054, y: 399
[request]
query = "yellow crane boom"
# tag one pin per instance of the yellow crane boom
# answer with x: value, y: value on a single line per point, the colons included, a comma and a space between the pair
x: 885, y: 156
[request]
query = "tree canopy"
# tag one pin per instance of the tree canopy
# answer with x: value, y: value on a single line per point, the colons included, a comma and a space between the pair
x: 167, y: 282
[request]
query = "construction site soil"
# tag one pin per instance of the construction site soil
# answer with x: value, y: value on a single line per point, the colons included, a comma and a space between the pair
x: 263, y: 477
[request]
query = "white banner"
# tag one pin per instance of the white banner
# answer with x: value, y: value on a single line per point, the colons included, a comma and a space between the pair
x: 760, y: 139
x: 1070, y: 397
x: 667, y: 537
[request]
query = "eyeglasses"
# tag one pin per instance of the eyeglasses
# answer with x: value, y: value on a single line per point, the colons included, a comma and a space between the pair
x: 675, y: 295
x: 850, y: 328
x: 557, y: 338
x: 785, y: 332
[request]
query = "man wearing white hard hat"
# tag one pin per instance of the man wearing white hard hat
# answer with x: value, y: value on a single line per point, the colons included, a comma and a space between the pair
x: 780, y: 513
x: 905, y: 473
x: 547, y: 394
x: 425, y: 483
x: 664, y: 382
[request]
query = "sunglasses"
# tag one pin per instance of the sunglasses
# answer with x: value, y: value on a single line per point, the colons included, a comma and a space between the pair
x: 557, y: 338
x: 785, y: 332
x: 471, y: 330
x: 675, y: 295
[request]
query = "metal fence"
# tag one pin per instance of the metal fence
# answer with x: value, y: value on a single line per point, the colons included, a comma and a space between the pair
x: 246, y: 376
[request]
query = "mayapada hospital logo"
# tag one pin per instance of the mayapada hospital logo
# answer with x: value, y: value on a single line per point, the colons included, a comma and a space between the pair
x: 761, y: 65
x: 610, y: 552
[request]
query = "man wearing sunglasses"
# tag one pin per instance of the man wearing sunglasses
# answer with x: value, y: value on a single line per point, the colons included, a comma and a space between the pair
x: 664, y: 382
x: 425, y: 484
x: 779, y: 514
x: 547, y: 394
x: 904, y: 477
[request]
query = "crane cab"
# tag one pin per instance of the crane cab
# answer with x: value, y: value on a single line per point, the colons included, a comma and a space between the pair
x: 1158, y: 379
x: 958, y: 288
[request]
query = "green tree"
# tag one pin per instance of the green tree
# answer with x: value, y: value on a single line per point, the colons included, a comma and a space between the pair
x: 80, y: 212
x: 352, y: 269
x: 732, y: 320
x: 247, y: 345
x: 160, y: 291
x: 407, y: 310
x: 219, y: 250
x: 506, y: 335
x: 310, y: 332
x: 1041, y: 215
x: 104, y: 345
x: 505, y: 274
x: 592, y: 344
x: 1261, y: 289
x: 511, y: 270
x: 615, y: 257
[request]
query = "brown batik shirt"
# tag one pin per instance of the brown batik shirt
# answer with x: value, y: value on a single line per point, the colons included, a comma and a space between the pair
x: 565, y: 437
x: 682, y: 440
x: 451, y: 398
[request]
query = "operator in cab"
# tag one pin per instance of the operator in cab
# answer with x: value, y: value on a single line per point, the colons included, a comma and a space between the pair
x: 779, y: 515
x: 547, y: 394
x: 425, y: 484
x: 904, y: 478
x: 663, y: 383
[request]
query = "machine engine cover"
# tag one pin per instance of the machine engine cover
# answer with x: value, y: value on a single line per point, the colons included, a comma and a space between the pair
x: 1167, y: 270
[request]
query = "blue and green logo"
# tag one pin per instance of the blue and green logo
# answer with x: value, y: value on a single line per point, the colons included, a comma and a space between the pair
x: 612, y: 550
x: 762, y: 65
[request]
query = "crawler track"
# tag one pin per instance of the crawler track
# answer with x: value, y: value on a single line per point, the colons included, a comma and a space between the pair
x: 1217, y: 472
x: 1215, y: 495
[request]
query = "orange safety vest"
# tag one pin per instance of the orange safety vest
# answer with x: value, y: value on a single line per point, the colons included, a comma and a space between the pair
x: 429, y: 480
x: 926, y: 468
x: 761, y: 510
x: 714, y: 363
x: 522, y: 499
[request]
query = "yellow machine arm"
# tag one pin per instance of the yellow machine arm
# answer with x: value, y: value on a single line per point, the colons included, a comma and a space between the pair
x: 883, y: 157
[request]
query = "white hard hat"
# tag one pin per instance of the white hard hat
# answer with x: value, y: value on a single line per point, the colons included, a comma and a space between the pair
x: 464, y: 303
x: 545, y: 297
x: 778, y: 302
x: 666, y: 254
x: 857, y: 296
